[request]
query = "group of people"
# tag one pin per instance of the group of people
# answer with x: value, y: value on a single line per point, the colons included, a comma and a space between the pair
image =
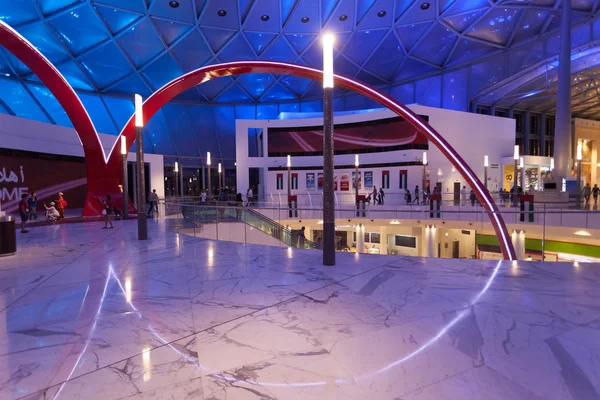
x: 591, y: 191
x: 28, y: 209
x: 408, y: 199
x: 377, y: 197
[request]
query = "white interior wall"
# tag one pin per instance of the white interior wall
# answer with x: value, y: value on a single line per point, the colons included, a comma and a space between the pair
x: 28, y: 135
x: 472, y: 135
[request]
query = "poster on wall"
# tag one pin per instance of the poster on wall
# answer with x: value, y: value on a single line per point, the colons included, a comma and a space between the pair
x: 356, y: 181
x: 345, y: 182
x: 368, y: 179
x: 310, y: 180
x: 320, y: 180
x: 23, y: 175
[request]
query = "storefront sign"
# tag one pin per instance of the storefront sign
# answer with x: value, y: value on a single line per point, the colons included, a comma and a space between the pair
x: 345, y: 182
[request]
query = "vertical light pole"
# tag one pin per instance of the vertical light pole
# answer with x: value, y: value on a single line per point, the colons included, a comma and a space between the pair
x: 289, y: 168
x: 515, y: 174
x: 328, y: 195
x: 424, y: 176
x: 522, y: 173
x: 579, y: 158
x: 486, y: 164
x: 125, y: 183
x: 356, y: 180
x: 219, y: 169
x: 141, y: 179
x: 208, y: 173
x: 176, y: 171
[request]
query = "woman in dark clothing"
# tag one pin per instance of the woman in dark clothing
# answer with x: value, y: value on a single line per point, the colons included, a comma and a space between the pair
x: 239, y: 203
x: 107, y: 212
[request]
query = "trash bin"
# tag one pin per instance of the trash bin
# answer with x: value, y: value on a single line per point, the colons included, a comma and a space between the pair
x: 8, y: 236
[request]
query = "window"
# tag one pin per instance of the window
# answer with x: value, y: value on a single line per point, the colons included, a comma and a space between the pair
x: 533, y: 147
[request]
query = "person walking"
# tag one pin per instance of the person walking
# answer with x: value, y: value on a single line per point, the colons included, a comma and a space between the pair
x: 595, y: 192
x: 472, y: 197
x: 463, y: 195
x: 381, y: 196
x: 407, y: 196
x: 24, y: 211
x: 416, y: 200
x: 61, y: 204
x: 107, y: 212
x: 374, y: 194
x: 587, y: 191
x: 249, y: 195
x: 239, y: 204
x: 203, y: 195
x: 426, y: 196
x: 153, y: 199
x: 32, y: 202
x: 301, y: 237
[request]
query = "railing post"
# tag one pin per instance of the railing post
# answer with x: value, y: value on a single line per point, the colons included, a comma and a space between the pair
x: 544, y: 236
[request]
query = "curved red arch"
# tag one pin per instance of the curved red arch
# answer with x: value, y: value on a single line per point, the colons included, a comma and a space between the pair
x: 191, y: 79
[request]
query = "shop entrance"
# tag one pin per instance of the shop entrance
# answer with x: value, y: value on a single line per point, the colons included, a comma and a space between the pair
x: 456, y: 193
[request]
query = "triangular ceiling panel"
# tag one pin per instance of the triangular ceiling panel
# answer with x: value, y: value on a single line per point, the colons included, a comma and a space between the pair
x: 259, y: 41
x: 263, y: 17
x: 141, y: 43
x: 417, y: 13
x: 366, y: 77
x: 411, y: 69
x: 327, y: 7
x: 296, y: 84
x: 221, y: 14
x: 343, y: 17
x: 280, y: 50
x: 74, y: 76
x: 531, y: 25
x: 192, y: 52
x: 401, y: 7
x: 363, y: 7
x: 170, y: 31
x: 277, y: 92
x: 50, y: 6
x: 42, y: 38
x: 214, y: 87
x: 467, y: 49
x: 410, y: 34
x: 233, y: 95
x: 461, y: 6
x: 496, y: 26
x: 17, y: 12
x: 362, y: 43
x: 255, y: 84
x: 80, y: 29
x: 183, y: 12
x: 341, y: 65
x: 128, y: 5
x: 300, y: 41
x: 237, y: 49
x: 216, y: 38
x: 106, y: 64
x: 437, y: 45
x: 386, y: 58
x: 380, y: 15
x: 161, y: 71
x: 116, y: 19
x: 443, y: 5
x: 463, y: 21
x: 304, y: 19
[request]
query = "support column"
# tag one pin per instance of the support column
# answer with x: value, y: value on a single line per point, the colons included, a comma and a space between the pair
x: 125, y: 189
x: 563, y: 143
x: 527, y: 134
x: 141, y: 187
x: 518, y: 241
x: 360, y: 238
x: 383, y: 242
x: 429, y: 241
x: 181, y: 186
x: 328, y: 193
x: 594, y: 159
x: 543, y: 133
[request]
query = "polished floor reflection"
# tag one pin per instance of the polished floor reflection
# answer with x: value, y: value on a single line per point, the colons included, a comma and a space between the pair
x: 95, y: 314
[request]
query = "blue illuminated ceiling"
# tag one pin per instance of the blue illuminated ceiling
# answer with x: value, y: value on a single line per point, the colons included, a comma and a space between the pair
x: 442, y: 53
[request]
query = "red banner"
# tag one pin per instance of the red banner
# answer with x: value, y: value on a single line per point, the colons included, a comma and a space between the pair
x: 46, y: 177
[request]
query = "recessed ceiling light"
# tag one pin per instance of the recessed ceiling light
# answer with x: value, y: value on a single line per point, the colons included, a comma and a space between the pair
x: 583, y: 233
x: 381, y: 14
x: 425, y: 6
x: 221, y: 13
x: 304, y: 19
x: 264, y: 17
x: 174, y: 3
x: 343, y: 17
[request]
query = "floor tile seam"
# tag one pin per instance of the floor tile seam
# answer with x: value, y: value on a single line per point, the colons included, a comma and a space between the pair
x: 200, y: 331
x: 448, y: 377
x: 61, y: 269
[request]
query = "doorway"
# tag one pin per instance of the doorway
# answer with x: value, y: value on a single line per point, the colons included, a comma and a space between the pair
x: 455, y: 249
x: 456, y: 193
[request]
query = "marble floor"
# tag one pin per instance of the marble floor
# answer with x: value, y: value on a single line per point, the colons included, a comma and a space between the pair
x: 95, y: 314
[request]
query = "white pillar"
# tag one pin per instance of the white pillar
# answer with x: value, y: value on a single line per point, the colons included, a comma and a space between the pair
x: 518, y: 241
x: 360, y: 238
x: 429, y: 240
x: 383, y: 244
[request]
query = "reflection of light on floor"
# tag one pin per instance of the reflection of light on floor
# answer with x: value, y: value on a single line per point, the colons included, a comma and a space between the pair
x: 128, y: 289
x: 211, y: 257
x: 147, y: 364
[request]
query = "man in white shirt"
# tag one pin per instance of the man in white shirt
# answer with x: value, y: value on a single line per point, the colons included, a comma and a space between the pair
x: 249, y: 195
x: 463, y: 195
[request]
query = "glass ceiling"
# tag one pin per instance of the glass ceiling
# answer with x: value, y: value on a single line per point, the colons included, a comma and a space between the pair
x: 442, y: 53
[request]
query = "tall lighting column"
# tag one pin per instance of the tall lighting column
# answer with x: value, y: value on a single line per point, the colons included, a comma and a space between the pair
x: 356, y: 180
x: 289, y: 168
x: 141, y: 178
x: 579, y: 158
x: 328, y: 195
x: 125, y: 183
x: 515, y: 174
x: 424, y: 177
x: 486, y: 164
x: 176, y: 171
x: 208, y: 172
x: 219, y: 169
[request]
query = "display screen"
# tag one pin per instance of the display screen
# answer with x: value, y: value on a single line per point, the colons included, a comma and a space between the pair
x: 406, y: 241
x: 363, y: 137
x: 43, y: 173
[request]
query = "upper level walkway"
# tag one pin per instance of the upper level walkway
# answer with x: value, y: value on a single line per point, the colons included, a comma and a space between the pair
x: 95, y: 314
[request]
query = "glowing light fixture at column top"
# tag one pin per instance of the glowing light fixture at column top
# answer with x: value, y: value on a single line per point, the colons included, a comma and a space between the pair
x: 486, y: 161
x: 579, y: 152
x: 123, y: 145
x: 328, y: 41
x: 521, y: 163
x: 219, y: 167
x: 516, y: 153
x: 551, y: 164
x: 356, y: 160
x: 176, y: 169
x: 208, y: 158
x: 424, y: 158
x: 289, y: 161
x: 139, y: 114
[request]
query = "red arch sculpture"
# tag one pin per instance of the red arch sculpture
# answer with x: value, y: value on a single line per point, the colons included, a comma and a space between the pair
x: 104, y: 173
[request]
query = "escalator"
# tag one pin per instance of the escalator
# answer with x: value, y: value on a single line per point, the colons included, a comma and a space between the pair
x: 217, y: 214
